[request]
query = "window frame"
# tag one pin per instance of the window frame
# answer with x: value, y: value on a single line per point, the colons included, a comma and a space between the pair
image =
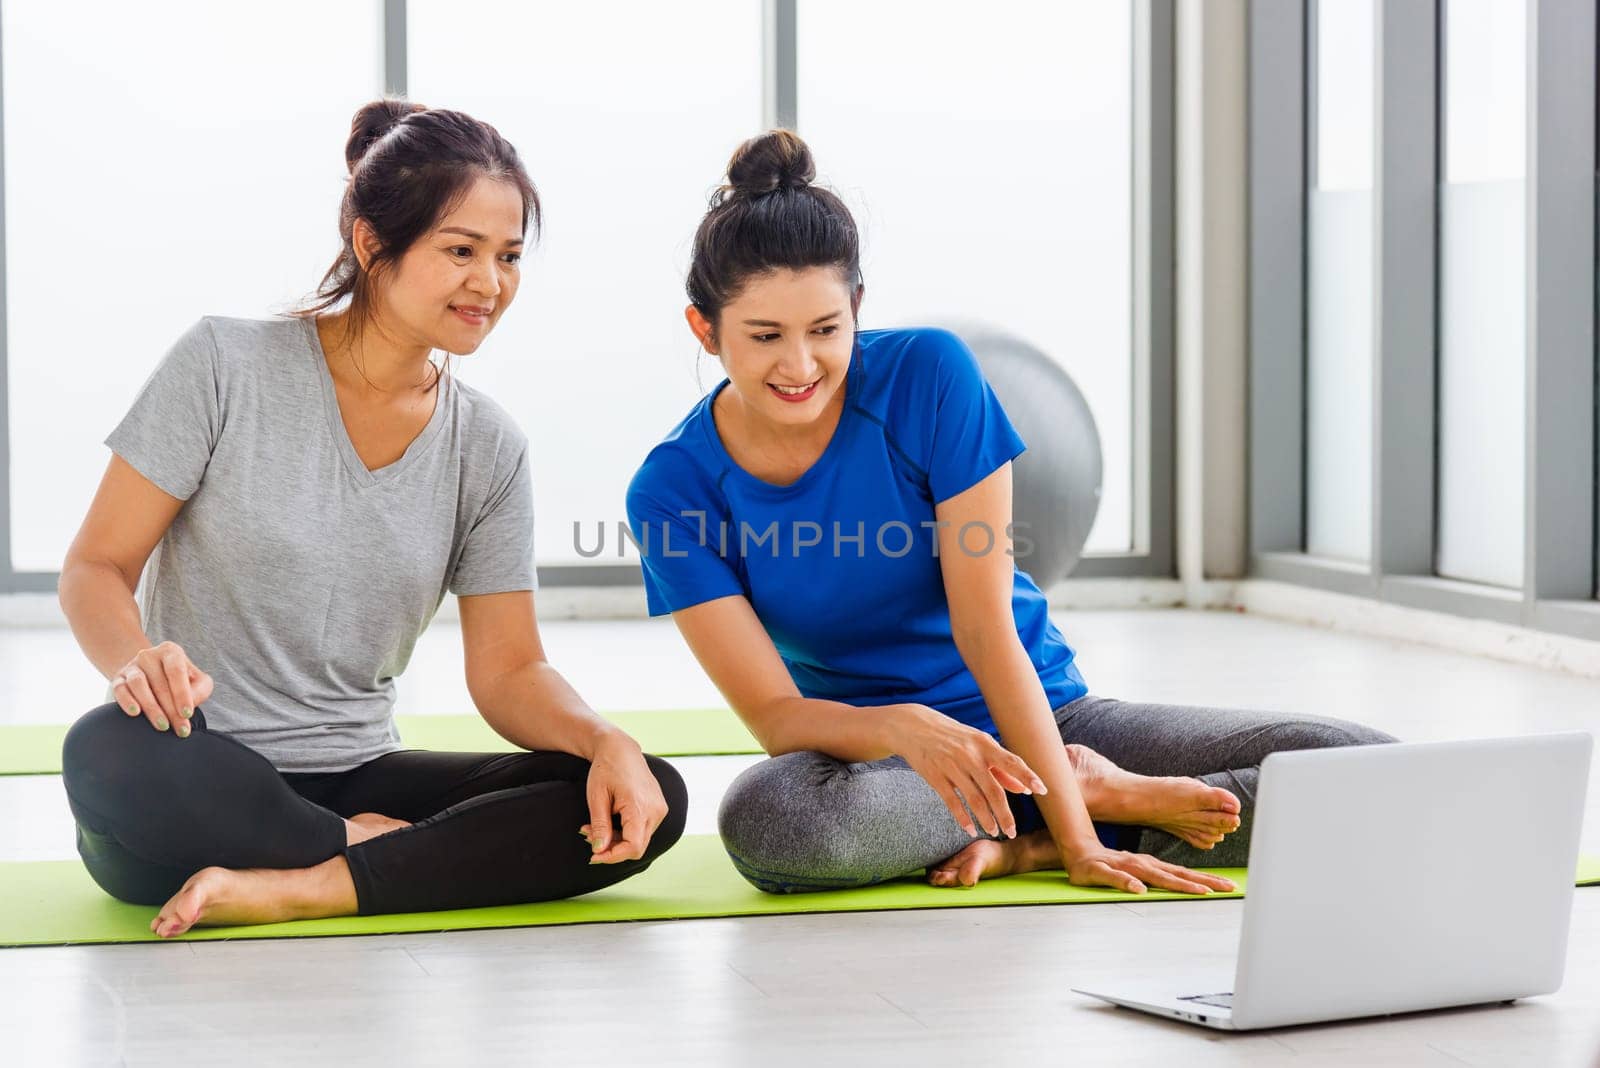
x: 1562, y: 554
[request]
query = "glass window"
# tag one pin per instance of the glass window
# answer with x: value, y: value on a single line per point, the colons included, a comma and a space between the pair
x: 1339, y: 280
x: 988, y: 161
x: 1482, y: 281
x: 182, y: 159
x: 625, y: 134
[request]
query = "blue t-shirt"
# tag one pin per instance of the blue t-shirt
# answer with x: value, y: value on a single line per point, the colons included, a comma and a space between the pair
x: 841, y: 566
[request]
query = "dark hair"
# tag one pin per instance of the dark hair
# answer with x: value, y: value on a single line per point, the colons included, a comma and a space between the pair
x: 409, y: 166
x: 769, y: 216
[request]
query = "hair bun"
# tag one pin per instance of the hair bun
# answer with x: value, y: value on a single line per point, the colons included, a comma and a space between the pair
x: 775, y: 160
x: 371, y: 123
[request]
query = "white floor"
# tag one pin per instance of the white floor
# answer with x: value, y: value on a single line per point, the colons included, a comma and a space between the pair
x: 963, y: 986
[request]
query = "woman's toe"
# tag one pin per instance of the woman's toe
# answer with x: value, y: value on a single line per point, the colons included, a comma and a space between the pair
x: 1224, y: 800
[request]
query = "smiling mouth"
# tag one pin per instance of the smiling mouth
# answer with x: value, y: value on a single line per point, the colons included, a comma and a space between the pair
x: 794, y: 391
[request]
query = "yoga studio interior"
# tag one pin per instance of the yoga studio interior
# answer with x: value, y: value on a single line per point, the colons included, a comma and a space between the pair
x: 1024, y: 533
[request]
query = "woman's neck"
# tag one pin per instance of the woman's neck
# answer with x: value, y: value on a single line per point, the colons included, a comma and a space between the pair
x: 761, y: 435
x: 371, y: 358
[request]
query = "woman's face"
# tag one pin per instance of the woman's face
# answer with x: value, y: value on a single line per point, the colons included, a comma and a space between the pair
x: 785, y: 342
x: 452, y: 285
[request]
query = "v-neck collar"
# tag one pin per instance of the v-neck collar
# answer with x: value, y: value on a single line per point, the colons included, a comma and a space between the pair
x: 364, y: 475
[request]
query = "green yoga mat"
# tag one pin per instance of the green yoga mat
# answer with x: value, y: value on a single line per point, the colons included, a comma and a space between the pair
x: 36, y: 749
x: 55, y: 903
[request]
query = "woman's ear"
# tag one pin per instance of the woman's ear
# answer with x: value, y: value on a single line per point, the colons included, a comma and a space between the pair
x: 702, y: 328
x: 364, y: 241
x: 855, y: 301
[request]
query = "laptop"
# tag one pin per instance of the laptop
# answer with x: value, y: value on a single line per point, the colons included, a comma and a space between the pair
x: 1395, y: 878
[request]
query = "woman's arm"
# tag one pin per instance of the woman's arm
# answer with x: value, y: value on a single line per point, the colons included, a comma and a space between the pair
x: 126, y: 521
x: 739, y: 657
x: 515, y: 688
x: 979, y: 587
x: 528, y: 703
x: 127, y: 518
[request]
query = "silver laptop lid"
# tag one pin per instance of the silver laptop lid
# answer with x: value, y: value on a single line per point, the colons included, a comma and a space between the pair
x: 1411, y: 876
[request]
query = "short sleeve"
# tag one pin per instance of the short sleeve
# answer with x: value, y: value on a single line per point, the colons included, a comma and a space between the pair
x: 172, y: 428
x: 971, y: 436
x: 497, y: 556
x: 678, y: 548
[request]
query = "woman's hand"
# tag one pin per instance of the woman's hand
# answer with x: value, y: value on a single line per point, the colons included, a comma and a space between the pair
x: 163, y: 685
x: 1121, y: 870
x: 621, y: 784
x: 962, y: 762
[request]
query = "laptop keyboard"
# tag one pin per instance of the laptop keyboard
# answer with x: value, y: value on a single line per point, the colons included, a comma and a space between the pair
x: 1221, y: 1001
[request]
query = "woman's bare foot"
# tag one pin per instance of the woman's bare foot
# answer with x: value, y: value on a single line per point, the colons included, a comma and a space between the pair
x: 988, y: 858
x: 1185, y: 808
x: 214, y: 897
x: 368, y: 825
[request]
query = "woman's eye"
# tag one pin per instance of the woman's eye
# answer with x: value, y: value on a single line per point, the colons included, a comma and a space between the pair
x: 828, y: 331
x: 764, y: 337
x: 462, y: 251
x: 513, y: 258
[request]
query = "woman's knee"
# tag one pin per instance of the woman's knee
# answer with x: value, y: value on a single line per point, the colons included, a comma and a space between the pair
x: 112, y: 763
x: 1328, y: 733
x: 763, y: 802
x: 1344, y: 732
x: 783, y: 829
x: 1361, y: 734
x: 95, y: 753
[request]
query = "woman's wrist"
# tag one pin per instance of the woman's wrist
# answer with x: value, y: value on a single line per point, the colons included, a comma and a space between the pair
x: 1071, y: 827
x: 1071, y: 847
x: 610, y: 739
x: 899, y: 724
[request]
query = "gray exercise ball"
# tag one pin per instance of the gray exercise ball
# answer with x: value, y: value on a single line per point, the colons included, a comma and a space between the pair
x: 1056, y: 483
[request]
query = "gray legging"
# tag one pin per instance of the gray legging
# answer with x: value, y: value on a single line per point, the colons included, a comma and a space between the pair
x: 805, y: 821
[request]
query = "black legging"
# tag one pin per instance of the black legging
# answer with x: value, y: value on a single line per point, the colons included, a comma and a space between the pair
x: 487, y: 829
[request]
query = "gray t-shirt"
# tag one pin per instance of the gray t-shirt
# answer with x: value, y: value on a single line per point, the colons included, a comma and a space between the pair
x: 296, y: 577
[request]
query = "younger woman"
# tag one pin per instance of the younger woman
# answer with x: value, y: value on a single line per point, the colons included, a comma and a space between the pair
x: 311, y: 488
x: 829, y: 530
